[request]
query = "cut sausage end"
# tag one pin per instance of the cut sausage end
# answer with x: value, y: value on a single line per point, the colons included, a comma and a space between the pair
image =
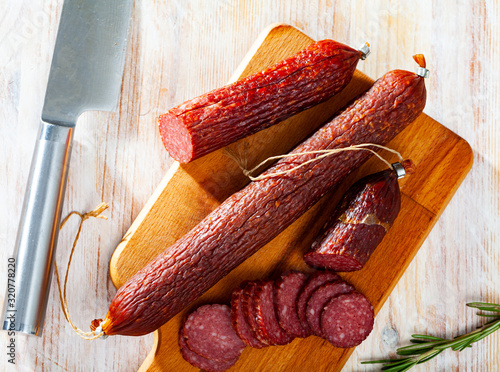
x: 347, y: 320
x: 176, y: 138
x: 335, y: 262
x: 358, y: 225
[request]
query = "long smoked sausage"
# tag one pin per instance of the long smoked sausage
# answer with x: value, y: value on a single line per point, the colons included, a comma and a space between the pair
x: 252, y: 217
x: 224, y: 115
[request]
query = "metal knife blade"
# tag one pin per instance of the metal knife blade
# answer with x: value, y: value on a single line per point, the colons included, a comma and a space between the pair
x: 89, y: 55
x: 86, y: 74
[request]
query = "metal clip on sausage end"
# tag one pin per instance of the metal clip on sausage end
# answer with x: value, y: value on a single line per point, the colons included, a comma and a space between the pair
x: 99, y: 330
x: 365, y: 51
x: 399, y: 169
x: 422, y: 72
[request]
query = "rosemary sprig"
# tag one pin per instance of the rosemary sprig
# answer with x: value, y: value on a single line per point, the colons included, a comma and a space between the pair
x: 427, y: 347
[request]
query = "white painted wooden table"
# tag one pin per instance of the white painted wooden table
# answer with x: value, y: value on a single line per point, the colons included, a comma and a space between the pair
x: 182, y: 48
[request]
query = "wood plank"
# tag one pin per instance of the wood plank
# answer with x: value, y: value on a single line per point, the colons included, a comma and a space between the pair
x: 189, y: 192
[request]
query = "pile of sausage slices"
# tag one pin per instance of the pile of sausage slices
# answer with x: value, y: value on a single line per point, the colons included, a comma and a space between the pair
x: 274, y: 312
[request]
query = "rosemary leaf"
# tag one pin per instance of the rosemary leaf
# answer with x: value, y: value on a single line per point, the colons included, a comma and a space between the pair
x: 419, y: 348
x: 427, y: 337
x: 484, y: 306
x: 381, y: 361
x: 465, y: 343
x: 398, y: 366
x: 417, y: 341
x: 429, y: 357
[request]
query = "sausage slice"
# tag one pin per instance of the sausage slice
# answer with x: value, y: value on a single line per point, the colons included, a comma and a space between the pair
x: 347, y: 320
x: 313, y: 283
x: 287, y: 290
x: 200, y: 362
x: 238, y: 318
x: 320, y: 298
x: 265, y: 313
x: 209, y: 333
x: 248, y: 308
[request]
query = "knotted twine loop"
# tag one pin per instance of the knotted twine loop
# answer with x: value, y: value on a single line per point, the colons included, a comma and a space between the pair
x: 325, y: 153
x: 96, y: 213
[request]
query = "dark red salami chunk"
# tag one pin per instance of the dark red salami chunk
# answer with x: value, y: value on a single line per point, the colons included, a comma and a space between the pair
x: 287, y: 290
x: 347, y: 320
x: 238, y: 319
x: 267, y: 320
x: 314, y: 282
x: 319, y: 299
x: 248, y: 308
x: 215, y: 119
x: 345, y: 247
x: 209, y: 333
x: 200, y: 362
x: 358, y: 225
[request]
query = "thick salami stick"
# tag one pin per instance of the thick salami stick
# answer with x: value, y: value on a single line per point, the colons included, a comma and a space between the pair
x: 358, y: 225
x: 222, y: 116
x: 252, y: 217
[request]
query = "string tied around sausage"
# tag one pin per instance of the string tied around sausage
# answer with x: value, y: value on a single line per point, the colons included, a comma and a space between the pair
x: 401, y: 168
x: 97, y: 332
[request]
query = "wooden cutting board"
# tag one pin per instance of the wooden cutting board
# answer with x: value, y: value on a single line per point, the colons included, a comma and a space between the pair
x: 189, y: 192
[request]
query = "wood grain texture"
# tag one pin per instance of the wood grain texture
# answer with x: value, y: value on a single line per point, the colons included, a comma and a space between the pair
x: 180, y: 49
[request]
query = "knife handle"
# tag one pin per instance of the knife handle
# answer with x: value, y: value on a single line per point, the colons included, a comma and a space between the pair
x: 38, y: 230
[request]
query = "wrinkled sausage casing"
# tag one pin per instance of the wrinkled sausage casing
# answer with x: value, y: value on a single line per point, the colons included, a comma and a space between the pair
x: 224, y: 115
x: 358, y: 225
x: 252, y: 217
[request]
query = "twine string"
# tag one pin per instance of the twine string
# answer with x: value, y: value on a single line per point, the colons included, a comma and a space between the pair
x: 95, y: 213
x: 241, y: 161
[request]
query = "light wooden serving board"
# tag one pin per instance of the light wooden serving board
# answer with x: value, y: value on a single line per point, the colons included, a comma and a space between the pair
x: 189, y: 192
